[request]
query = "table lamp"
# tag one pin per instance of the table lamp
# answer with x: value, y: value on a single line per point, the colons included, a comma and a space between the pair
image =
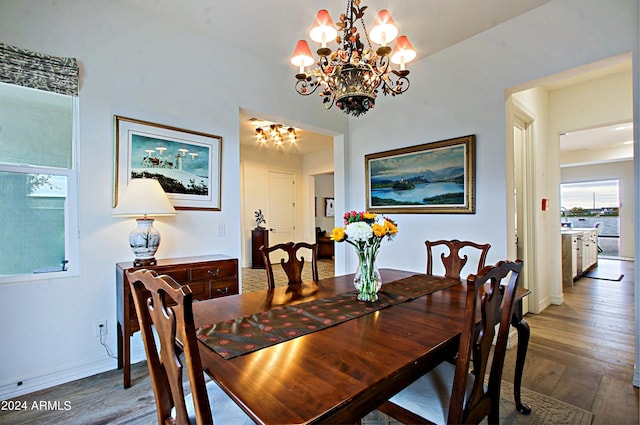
x: 144, y: 198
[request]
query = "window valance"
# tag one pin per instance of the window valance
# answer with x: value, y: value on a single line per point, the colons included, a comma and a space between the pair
x: 39, y: 71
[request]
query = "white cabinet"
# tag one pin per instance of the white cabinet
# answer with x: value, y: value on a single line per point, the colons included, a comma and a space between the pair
x: 579, y: 253
x: 589, y: 248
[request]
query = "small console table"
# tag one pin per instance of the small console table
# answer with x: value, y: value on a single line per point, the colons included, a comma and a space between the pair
x: 209, y: 276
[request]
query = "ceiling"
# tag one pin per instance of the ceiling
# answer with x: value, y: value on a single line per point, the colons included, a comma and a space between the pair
x: 255, y: 25
x: 431, y: 25
x: 252, y: 25
x: 611, y: 136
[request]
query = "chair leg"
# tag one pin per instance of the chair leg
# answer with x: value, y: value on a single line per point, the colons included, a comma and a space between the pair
x: 494, y: 413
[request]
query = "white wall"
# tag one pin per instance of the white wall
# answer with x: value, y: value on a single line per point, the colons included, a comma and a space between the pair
x: 134, y: 65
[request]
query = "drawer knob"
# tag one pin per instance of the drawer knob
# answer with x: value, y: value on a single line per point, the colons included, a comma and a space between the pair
x: 214, y: 274
x: 224, y: 291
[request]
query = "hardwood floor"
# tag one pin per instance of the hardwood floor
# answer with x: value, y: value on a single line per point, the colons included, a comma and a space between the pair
x: 582, y: 352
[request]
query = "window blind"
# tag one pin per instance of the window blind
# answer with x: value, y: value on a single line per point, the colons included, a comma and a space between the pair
x: 38, y: 71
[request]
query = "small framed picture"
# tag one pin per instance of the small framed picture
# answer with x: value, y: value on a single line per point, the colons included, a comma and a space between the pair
x: 328, y: 207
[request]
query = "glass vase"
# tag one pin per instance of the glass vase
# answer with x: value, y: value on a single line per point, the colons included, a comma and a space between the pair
x: 367, y: 279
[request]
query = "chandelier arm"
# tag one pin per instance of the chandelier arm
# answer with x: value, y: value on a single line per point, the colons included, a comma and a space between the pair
x: 305, y: 87
x: 396, y: 88
x: 382, y: 64
x: 327, y: 67
x: 329, y: 101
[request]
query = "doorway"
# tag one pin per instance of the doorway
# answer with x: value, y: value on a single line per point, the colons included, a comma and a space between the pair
x: 274, y: 177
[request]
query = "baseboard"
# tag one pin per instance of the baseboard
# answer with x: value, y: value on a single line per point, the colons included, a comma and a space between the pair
x: 556, y: 300
x: 67, y: 373
x: 544, y: 303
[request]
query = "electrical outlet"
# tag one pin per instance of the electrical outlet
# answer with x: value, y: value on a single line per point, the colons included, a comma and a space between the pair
x: 100, y: 328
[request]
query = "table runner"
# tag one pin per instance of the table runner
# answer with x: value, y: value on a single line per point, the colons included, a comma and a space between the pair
x: 246, y: 334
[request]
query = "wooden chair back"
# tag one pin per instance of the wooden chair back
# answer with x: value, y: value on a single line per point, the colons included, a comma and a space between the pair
x: 162, y: 302
x: 491, y: 295
x: 454, y: 262
x: 293, y: 265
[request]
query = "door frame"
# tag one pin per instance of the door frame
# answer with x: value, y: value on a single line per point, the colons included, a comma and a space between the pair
x: 517, y: 112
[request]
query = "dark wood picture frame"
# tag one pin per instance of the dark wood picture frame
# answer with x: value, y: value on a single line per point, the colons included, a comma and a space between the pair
x: 432, y: 178
x: 329, y: 207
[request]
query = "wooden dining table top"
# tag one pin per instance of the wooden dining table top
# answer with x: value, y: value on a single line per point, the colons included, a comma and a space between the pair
x: 340, y: 373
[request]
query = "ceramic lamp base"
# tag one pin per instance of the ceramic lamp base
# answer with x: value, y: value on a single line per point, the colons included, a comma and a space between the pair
x: 144, y: 240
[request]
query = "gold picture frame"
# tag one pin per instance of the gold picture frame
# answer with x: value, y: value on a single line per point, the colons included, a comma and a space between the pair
x: 186, y: 163
x: 432, y: 178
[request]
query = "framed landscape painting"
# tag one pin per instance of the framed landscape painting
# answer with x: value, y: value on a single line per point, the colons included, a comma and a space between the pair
x: 436, y: 177
x: 185, y: 162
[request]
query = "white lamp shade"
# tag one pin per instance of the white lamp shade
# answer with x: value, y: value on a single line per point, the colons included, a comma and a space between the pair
x: 384, y: 30
x: 323, y: 30
x: 144, y: 197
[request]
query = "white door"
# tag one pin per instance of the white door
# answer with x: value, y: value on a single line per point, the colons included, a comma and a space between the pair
x: 520, y: 198
x: 282, y: 208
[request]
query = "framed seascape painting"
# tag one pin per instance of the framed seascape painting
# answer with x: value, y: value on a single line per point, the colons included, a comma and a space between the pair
x: 431, y: 178
x: 186, y: 163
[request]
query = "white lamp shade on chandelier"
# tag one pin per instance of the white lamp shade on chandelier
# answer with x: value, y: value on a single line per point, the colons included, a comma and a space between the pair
x: 144, y: 198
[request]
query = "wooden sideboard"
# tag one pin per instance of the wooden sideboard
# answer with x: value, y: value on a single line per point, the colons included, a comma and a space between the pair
x: 209, y: 276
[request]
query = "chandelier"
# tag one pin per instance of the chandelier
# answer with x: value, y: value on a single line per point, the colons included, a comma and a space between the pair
x: 351, y: 76
x: 277, y: 132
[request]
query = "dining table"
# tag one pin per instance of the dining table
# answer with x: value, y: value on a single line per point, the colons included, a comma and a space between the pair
x: 312, y: 353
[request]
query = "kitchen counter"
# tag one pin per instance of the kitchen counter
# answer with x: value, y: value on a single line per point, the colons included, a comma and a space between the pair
x: 579, y: 252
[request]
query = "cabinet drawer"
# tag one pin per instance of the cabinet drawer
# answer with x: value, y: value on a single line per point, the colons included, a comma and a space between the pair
x: 220, y: 270
x: 224, y: 288
x: 180, y: 275
x: 200, y: 290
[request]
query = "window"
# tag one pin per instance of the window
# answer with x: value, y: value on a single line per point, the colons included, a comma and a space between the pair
x: 594, y: 204
x: 38, y: 176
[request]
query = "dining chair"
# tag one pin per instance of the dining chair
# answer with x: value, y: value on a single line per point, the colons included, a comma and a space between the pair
x: 293, y: 265
x: 462, y: 393
x: 455, y: 262
x: 598, y: 227
x: 162, y: 302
